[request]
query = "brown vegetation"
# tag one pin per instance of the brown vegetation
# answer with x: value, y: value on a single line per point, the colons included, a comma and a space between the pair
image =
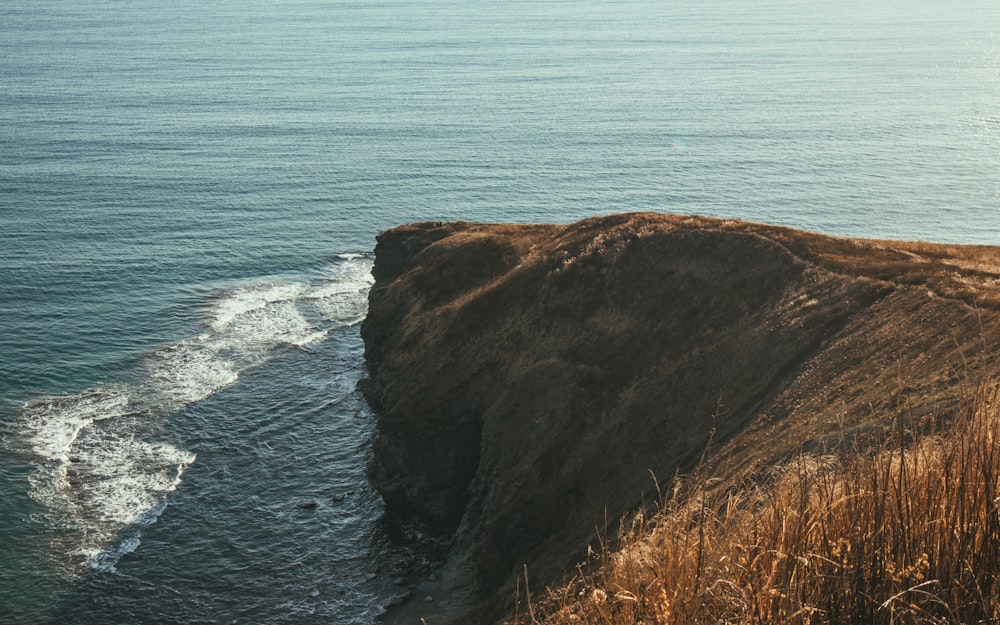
x: 910, y: 534
x: 529, y: 378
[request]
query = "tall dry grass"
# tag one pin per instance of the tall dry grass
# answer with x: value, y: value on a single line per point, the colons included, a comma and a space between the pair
x: 909, y: 533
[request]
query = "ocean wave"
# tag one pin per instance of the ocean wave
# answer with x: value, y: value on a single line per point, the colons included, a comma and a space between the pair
x: 94, y: 475
x: 102, y: 471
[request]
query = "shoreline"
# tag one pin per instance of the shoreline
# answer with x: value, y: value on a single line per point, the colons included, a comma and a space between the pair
x: 439, y: 596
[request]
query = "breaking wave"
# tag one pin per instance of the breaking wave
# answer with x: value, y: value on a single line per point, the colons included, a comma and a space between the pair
x: 103, y: 470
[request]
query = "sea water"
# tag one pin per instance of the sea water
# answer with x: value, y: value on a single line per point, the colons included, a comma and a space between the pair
x: 189, y: 198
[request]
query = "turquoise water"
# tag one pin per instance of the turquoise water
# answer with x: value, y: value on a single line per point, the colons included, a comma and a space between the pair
x: 190, y: 191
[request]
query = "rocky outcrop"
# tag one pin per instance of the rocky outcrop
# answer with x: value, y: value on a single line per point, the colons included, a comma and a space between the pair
x: 530, y: 379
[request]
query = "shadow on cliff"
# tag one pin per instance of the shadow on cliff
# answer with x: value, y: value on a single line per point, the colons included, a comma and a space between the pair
x: 528, y: 379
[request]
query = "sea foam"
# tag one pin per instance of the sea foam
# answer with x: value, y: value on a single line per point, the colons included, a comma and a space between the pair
x: 103, y: 473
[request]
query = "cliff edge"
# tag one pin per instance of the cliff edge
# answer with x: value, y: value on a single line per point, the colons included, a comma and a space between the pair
x: 529, y: 380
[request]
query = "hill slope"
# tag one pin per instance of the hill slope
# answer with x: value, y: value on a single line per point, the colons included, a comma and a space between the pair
x: 529, y: 378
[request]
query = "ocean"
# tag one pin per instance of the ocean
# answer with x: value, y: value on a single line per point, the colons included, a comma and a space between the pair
x: 190, y: 194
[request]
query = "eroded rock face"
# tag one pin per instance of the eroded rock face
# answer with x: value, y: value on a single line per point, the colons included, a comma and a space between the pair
x: 529, y: 379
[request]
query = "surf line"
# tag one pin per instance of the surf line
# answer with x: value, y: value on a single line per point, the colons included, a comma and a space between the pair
x: 100, y: 476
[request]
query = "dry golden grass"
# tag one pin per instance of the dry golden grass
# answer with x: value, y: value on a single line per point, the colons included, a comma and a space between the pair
x: 909, y: 533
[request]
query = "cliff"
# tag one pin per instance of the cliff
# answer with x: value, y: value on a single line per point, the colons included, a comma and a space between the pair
x: 530, y: 379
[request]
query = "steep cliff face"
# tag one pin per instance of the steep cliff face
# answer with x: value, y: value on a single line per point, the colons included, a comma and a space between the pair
x: 529, y: 379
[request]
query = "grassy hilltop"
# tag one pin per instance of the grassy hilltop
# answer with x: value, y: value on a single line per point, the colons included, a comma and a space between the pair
x: 826, y: 398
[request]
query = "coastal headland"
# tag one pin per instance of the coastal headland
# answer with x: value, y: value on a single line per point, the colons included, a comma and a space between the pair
x: 532, y: 380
